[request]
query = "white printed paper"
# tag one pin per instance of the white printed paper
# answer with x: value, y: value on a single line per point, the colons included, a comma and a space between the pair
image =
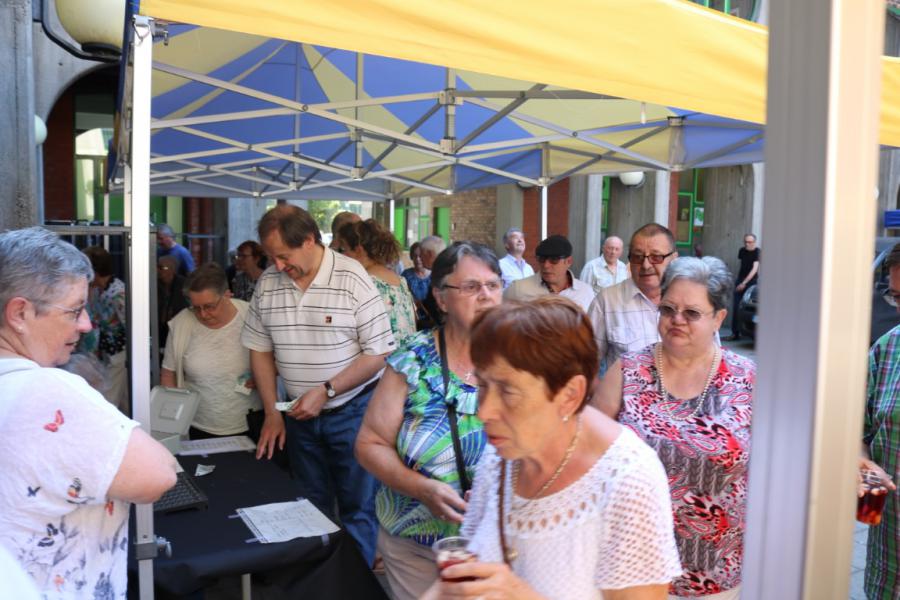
x: 232, y: 443
x: 283, y: 521
x: 202, y: 470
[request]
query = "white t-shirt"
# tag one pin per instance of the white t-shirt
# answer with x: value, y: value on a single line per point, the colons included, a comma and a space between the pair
x: 611, y: 529
x: 214, y: 363
x: 62, y: 444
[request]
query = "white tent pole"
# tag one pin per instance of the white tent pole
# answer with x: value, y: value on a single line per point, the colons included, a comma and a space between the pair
x: 391, y: 214
x: 106, y: 219
x: 139, y: 274
x: 824, y: 76
x: 543, y: 212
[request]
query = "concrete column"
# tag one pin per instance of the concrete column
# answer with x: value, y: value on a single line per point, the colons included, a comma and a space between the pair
x: 509, y: 213
x: 585, y: 218
x: 661, y: 200
x: 759, y: 181
x: 18, y: 166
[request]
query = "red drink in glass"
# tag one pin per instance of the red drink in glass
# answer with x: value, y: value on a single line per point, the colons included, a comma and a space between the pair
x: 453, y: 551
x: 871, y: 504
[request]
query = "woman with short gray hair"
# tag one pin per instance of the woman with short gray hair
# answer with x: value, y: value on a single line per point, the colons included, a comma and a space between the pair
x: 691, y: 400
x: 79, y: 459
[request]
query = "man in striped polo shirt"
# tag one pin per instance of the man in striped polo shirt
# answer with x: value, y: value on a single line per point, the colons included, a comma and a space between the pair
x: 317, y: 320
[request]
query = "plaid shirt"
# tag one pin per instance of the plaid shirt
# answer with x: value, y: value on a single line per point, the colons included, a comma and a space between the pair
x: 882, y: 436
x: 624, y: 320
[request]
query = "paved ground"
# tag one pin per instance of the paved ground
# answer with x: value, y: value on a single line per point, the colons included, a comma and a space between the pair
x: 746, y: 348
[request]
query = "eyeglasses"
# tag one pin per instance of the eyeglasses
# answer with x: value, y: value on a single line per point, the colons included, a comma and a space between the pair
x: 667, y: 311
x: 553, y: 260
x: 891, y: 298
x: 237, y: 256
x: 207, y: 307
x: 470, y: 288
x: 655, y: 259
x: 73, y: 313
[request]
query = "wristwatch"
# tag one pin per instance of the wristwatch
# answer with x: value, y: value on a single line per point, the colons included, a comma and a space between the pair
x: 329, y: 391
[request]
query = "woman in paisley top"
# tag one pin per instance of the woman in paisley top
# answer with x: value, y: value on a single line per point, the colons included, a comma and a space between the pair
x: 691, y: 400
x: 405, y: 439
x: 374, y: 248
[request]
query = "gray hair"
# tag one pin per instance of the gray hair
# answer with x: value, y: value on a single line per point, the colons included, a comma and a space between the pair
x: 37, y: 265
x: 433, y: 244
x: 165, y: 230
x: 207, y: 277
x: 511, y: 231
x: 708, y: 271
x: 446, y: 261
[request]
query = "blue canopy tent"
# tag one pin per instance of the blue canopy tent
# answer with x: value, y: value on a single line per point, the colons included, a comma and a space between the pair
x: 238, y: 115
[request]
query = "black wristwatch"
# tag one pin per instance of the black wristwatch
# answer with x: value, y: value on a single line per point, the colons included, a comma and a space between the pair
x: 329, y: 391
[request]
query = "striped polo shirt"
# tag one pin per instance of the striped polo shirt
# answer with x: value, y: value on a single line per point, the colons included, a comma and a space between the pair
x: 316, y: 334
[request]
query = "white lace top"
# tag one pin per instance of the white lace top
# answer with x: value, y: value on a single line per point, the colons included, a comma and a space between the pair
x: 611, y: 529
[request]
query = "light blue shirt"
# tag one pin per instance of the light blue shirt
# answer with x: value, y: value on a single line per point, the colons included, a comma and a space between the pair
x: 513, y: 269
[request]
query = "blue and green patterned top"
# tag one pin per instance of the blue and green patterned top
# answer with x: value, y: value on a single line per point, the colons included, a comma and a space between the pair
x: 424, y: 442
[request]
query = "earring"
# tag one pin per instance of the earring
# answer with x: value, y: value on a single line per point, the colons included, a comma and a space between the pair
x: 566, y: 419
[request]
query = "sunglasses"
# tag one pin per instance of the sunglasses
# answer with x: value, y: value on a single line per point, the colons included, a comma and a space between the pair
x: 667, y: 311
x: 553, y: 260
x: 655, y: 259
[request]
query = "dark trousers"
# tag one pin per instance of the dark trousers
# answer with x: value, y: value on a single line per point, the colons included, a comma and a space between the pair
x: 736, y: 328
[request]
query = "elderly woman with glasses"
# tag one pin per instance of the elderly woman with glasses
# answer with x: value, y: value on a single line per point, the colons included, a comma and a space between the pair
x: 71, y: 462
x: 204, y: 354
x: 691, y: 400
x: 421, y: 437
x: 567, y: 503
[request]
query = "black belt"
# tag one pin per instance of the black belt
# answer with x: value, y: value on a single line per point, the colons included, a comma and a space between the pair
x: 369, y: 387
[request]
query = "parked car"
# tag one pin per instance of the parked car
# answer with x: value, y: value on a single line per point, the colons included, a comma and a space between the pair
x: 884, y: 316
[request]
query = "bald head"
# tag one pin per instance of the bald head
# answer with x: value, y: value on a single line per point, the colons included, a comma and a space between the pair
x: 612, y: 249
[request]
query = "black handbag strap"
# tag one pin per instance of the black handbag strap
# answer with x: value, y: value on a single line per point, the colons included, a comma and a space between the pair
x: 464, y: 482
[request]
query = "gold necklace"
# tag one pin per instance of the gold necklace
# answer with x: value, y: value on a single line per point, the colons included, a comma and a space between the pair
x: 511, y: 553
x: 717, y: 357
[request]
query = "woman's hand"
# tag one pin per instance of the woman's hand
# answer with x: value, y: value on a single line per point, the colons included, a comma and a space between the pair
x: 442, y: 500
x: 867, y: 464
x: 492, y: 581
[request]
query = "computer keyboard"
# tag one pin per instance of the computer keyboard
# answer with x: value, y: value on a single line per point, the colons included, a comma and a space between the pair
x: 184, y: 495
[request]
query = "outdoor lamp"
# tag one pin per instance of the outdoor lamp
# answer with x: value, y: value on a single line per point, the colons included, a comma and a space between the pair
x: 632, y: 178
x: 95, y: 24
x: 40, y: 131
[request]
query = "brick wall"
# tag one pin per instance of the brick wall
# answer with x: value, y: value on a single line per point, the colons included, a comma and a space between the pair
x: 59, y: 160
x: 473, y: 215
x: 557, y: 215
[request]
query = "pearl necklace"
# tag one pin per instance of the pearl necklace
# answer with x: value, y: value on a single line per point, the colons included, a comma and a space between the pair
x: 717, y: 357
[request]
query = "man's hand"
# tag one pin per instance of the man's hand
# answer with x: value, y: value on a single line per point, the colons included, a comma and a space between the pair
x: 272, y: 434
x: 740, y: 287
x: 866, y: 464
x: 309, y: 405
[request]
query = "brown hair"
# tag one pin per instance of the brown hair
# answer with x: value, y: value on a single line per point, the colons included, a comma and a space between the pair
x: 550, y: 337
x: 101, y: 260
x: 255, y: 249
x: 376, y: 241
x: 652, y: 230
x: 292, y: 223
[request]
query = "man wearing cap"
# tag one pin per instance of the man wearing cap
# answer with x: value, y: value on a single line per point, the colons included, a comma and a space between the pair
x: 554, y: 276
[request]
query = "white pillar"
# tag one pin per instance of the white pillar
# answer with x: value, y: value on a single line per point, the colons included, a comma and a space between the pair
x: 661, y: 200
x: 824, y: 73
x: 759, y: 188
x: 543, y: 212
x: 138, y: 215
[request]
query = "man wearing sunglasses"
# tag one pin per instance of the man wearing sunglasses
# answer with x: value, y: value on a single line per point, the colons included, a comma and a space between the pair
x: 554, y: 276
x: 625, y: 315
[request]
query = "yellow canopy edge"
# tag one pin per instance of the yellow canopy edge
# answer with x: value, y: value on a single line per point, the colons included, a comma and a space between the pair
x: 667, y: 52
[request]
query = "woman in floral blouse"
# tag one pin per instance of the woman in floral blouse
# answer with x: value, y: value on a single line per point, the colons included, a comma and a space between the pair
x: 691, y: 400
x: 106, y: 307
x: 374, y: 248
x: 405, y: 440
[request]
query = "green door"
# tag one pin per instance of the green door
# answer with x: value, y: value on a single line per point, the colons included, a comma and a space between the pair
x: 442, y: 222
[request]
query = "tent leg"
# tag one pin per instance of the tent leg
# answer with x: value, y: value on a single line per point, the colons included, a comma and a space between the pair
x: 543, y: 212
x: 139, y: 276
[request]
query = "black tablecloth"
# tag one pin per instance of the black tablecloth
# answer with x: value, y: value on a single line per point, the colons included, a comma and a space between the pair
x: 207, y: 544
